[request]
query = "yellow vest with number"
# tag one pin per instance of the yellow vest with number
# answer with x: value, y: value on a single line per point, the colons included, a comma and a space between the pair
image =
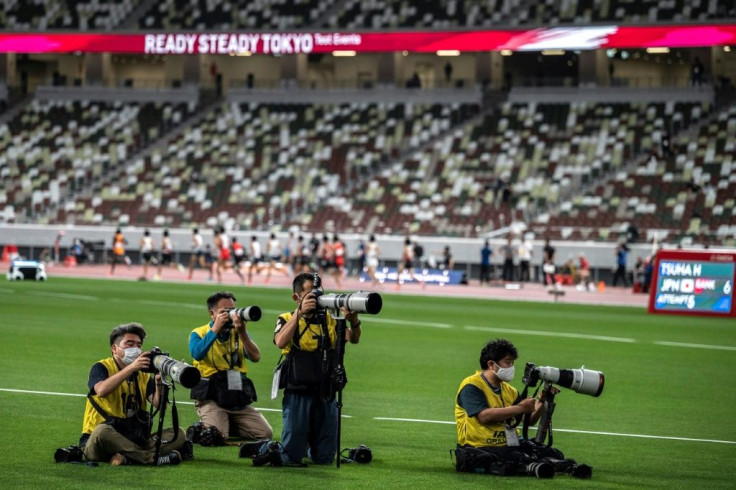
x: 114, y: 403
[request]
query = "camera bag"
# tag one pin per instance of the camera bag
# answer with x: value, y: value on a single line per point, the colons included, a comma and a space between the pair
x: 470, y: 459
x: 306, y: 371
x: 218, y: 391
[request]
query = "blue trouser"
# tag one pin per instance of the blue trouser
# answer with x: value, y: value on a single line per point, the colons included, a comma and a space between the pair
x: 310, y: 423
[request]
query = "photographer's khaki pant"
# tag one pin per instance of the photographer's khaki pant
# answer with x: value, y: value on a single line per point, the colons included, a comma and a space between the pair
x: 247, y: 423
x: 104, y: 442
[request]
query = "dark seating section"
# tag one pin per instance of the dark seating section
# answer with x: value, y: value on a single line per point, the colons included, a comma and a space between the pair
x: 228, y: 14
x: 20, y: 15
x: 377, y: 14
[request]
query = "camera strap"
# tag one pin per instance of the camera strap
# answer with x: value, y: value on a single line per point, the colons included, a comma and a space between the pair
x: 174, y: 416
x: 107, y: 416
x: 527, y: 416
x: 99, y: 409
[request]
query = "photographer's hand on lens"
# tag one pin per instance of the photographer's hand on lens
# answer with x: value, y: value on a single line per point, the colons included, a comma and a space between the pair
x: 350, y: 316
x: 239, y: 324
x: 527, y: 405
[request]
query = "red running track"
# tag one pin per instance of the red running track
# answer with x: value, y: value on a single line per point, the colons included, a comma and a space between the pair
x: 527, y: 292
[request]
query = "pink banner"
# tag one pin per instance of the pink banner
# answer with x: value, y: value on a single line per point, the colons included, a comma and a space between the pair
x: 568, y: 38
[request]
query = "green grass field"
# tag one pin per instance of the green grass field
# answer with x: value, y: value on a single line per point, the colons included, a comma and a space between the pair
x: 666, y: 417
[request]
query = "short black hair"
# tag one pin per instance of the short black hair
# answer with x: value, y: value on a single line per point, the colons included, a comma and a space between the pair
x: 495, y: 350
x: 298, y: 284
x: 120, y: 331
x: 216, y: 297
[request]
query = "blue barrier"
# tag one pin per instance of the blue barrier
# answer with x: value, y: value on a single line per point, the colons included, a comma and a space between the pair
x: 427, y: 276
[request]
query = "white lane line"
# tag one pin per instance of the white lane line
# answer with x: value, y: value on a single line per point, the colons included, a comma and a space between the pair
x: 55, y: 393
x: 443, y: 422
x: 643, y: 436
x: 421, y: 421
x: 64, y: 295
x: 410, y: 323
x: 695, y: 346
x: 177, y: 304
x: 552, y: 334
x: 170, y: 304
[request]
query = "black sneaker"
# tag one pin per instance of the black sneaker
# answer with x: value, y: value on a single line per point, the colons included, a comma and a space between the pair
x: 582, y: 471
x: 187, y: 451
x: 271, y: 455
x: 250, y: 449
x: 172, y: 458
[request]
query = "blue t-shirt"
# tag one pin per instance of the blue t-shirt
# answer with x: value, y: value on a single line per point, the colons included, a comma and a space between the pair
x: 485, y: 256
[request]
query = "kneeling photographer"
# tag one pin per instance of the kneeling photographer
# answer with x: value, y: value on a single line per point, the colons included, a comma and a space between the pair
x: 308, y: 338
x: 220, y: 350
x: 488, y: 411
x: 117, y: 427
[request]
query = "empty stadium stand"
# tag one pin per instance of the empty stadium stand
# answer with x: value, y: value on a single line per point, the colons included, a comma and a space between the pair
x: 23, y: 15
x: 54, y: 153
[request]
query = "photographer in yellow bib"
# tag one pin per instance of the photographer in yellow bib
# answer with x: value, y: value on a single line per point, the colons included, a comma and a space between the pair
x: 487, y: 405
x: 115, y: 426
x: 222, y: 350
x: 487, y: 412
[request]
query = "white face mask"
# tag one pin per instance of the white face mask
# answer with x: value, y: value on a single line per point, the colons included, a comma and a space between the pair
x: 505, y: 374
x: 131, y: 354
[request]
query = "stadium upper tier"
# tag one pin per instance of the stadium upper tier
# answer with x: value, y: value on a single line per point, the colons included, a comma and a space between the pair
x: 238, y: 14
x: 42, y: 15
x: 447, y: 14
x: 25, y: 15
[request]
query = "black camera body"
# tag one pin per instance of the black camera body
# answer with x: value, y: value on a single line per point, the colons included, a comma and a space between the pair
x: 361, y: 454
x: 71, y: 454
x: 155, y: 351
x: 531, y: 375
x: 320, y: 312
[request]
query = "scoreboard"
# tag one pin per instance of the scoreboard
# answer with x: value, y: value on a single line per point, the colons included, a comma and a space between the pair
x: 693, y: 283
